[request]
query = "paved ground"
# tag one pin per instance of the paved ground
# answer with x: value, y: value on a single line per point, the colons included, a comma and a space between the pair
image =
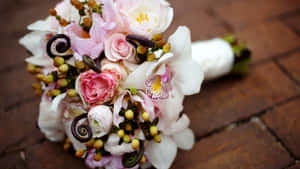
x: 248, y: 123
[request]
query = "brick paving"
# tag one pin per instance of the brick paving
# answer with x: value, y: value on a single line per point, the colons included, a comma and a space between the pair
x: 240, y: 123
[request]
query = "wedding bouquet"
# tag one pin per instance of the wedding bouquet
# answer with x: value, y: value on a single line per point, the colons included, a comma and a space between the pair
x: 112, y: 87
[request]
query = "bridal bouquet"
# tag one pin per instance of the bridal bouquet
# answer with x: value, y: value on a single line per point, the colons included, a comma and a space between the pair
x: 112, y: 87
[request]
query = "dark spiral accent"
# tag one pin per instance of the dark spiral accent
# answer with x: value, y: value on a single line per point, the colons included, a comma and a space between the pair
x: 83, y: 133
x: 60, y: 47
x: 132, y: 159
x: 141, y: 40
x: 91, y: 63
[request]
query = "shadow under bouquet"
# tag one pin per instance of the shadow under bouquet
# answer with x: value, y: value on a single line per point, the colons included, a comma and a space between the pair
x: 112, y: 88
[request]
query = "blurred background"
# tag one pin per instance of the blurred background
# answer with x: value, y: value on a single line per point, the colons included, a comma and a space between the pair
x: 240, y: 123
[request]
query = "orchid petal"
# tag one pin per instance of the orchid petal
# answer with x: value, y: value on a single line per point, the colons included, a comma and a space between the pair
x: 189, y: 74
x: 184, y: 139
x: 39, y: 61
x: 112, y: 146
x: 162, y: 154
x: 137, y: 78
x: 49, y: 121
x: 178, y: 126
x: 170, y: 109
x: 50, y: 24
x: 32, y: 42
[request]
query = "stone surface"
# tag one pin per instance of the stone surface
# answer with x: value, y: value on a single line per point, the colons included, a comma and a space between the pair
x: 271, y: 29
x: 194, y: 19
x: 13, y: 161
x: 50, y: 155
x: 16, y: 86
x: 269, y: 39
x: 284, y: 122
x: 293, y: 21
x: 297, y: 166
x: 247, y: 146
x: 240, y: 14
x: 18, y: 127
x: 291, y: 64
x: 231, y: 99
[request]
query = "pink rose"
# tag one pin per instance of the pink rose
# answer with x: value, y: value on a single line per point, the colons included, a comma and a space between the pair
x: 117, y: 48
x: 114, y: 68
x: 96, y: 88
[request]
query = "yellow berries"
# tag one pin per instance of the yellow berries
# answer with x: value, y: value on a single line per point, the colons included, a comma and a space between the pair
x: 38, y: 92
x: 30, y: 68
x: 126, y: 138
x: 129, y: 114
x: 98, y: 157
x: 36, y: 86
x: 63, y: 22
x: 121, y: 133
x: 143, y: 160
x: 63, y: 68
x: 55, y: 92
x: 153, y: 131
x: 128, y: 127
x: 77, y: 4
x: 135, y: 143
x: 157, y: 138
x: 79, y: 65
x: 157, y: 37
x: 62, y: 82
x: 87, y: 21
x: 79, y: 153
x: 167, y: 48
x: 92, y: 3
x: 141, y: 49
x: 58, y: 61
x: 52, y: 12
x: 150, y: 57
x: 48, y: 79
x: 71, y: 93
x: 145, y: 116
x: 161, y: 43
x: 67, y: 146
x: 90, y: 143
x: 40, y: 77
x: 98, y: 144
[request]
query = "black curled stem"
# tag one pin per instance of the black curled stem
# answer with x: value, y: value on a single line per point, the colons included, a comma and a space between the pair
x: 91, y: 63
x: 141, y: 40
x: 132, y: 159
x: 60, y: 48
x: 83, y: 132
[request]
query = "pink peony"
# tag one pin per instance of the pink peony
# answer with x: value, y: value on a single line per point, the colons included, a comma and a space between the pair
x: 117, y: 48
x: 97, y: 88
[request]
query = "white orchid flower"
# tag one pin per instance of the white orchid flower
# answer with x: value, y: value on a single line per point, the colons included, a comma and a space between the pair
x: 50, y: 118
x: 186, y: 78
